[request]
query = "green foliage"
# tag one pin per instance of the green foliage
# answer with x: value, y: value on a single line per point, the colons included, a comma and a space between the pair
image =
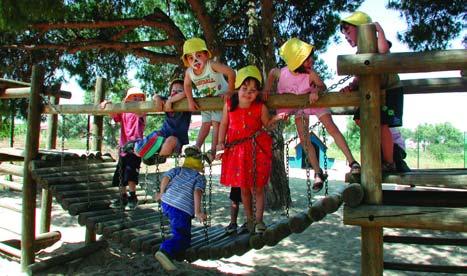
x: 352, y: 135
x: 431, y: 24
x: 17, y: 14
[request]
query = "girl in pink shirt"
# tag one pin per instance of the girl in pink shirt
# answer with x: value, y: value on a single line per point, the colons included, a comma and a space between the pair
x: 299, y: 78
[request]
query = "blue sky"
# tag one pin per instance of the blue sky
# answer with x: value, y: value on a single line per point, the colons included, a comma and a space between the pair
x: 418, y: 109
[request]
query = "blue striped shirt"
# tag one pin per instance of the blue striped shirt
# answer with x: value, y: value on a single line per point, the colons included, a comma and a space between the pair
x: 181, y: 188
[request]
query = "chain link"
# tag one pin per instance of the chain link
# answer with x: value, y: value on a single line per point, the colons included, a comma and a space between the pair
x: 325, y: 157
x: 287, y: 172
x: 159, y: 203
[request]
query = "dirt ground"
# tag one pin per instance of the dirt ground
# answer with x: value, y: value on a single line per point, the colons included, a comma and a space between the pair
x: 326, y: 248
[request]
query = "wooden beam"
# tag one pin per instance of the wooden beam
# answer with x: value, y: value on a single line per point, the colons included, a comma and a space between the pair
x: 425, y: 267
x: 429, y: 198
x: 11, y: 169
x: 98, y: 121
x: 435, y: 85
x: 435, y: 218
x: 30, y: 153
x: 370, y: 144
x: 14, y: 186
x: 424, y: 240
x: 409, y: 62
x: 24, y: 92
x: 209, y: 103
x: 448, y: 179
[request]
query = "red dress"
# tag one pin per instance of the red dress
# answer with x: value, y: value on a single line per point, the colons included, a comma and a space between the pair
x: 237, y: 160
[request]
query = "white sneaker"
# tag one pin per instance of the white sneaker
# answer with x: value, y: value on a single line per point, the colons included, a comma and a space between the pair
x: 165, y: 261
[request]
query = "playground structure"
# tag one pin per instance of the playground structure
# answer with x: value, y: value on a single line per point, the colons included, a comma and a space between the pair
x: 372, y: 216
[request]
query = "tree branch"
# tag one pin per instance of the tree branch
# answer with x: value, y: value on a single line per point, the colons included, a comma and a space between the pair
x: 207, y: 25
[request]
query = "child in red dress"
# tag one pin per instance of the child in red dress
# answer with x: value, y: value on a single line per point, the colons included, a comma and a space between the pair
x: 246, y: 161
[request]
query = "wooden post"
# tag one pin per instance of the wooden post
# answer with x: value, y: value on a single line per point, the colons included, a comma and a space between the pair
x: 46, y: 200
x: 29, y: 185
x: 98, y: 121
x: 370, y: 137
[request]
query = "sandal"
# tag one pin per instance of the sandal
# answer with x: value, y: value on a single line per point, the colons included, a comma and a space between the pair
x: 355, y: 168
x: 318, y: 185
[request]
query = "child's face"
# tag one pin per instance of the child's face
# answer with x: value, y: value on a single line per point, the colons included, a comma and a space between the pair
x: 350, y: 33
x: 248, y: 91
x: 176, y: 88
x: 136, y: 98
x: 308, y: 63
x: 197, y: 60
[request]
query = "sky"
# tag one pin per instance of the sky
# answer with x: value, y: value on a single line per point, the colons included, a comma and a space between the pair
x: 418, y: 109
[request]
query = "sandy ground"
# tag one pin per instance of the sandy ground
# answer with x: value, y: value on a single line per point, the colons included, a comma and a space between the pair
x: 325, y: 248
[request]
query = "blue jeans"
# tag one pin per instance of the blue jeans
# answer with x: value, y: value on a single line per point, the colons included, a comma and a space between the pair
x: 180, y: 223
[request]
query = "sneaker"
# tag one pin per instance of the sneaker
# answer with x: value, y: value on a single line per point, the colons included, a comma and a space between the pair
x: 260, y: 228
x: 320, y: 178
x: 132, y: 202
x: 355, y: 167
x: 155, y: 159
x: 120, y: 202
x: 165, y: 261
x: 231, y: 228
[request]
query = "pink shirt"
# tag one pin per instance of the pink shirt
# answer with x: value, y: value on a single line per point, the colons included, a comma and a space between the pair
x: 132, y: 126
x: 297, y: 84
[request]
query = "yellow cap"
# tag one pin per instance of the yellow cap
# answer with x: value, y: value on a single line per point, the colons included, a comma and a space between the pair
x: 193, y: 45
x: 357, y: 18
x: 134, y: 91
x: 246, y: 72
x: 294, y: 52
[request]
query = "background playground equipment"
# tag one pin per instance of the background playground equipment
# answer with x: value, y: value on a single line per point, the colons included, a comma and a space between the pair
x: 368, y: 217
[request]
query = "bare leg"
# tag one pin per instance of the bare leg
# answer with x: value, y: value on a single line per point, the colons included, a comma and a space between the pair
x: 332, y: 129
x: 203, y: 133
x: 259, y: 204
x: 234, y: 207
x: 131, y: 186
x: 215, y: 135
x: 387, y: 144
x: 302, y: 129
x: 246, y: 200
x: 169, y: 146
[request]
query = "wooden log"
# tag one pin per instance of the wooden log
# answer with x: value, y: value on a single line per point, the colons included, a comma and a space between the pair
x: 353, y: 195
x: 10, y: 250
x: 299, y: 223
x: 11, y: 169
x: 75, y: 209
x: 370, y: 144
x: 100, y: 219
x: 98, y: 121
x: 24, y: 92
x: 11, y: 206
x: 213, y: 246
x: 30, y: 153
x: 39, y: 165
x: 434, y: 85
x: 332, y: 202
x: 429, y: 198
x: 316, y: 212
x: 242, y: 244
x: 78, y: 172
x: 435, y: 218
x: 81, y: 186
x: 257, y: 241
x: 76, y: 179
x: 424, y: 240
x: 132, y: 222
x: 42, y: 241
x: 81, y: 166
x: 425, y: 267
x: 66, y: 202
x: 67, y: 257
x: 454, y: 180
x: 208, y: 103
x: 276, y: 232
x: 12, y: 185
x: 192, y: 253
x: 78, y: 193
x: 410, y: 62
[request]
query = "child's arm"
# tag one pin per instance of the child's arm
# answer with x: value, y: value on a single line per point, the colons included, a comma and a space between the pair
x: 383, y: 44
x: 189, y: 92
x: 227, y: 71
x: 198, y: 213
x: 175, y: 98
x: 164, y: 183
x: 272, y: 76
x: 222, y: 129
x: 269, y: 121
x: 114, y: 116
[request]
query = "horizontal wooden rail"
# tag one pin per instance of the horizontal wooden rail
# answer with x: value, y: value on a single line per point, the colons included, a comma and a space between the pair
x: 409, y: 62
x: 23, y: 92
x: 209, y: 103
x: 435, y: 218
x: 434, y: 85
x: 425, y: 268
x: 424, y: 240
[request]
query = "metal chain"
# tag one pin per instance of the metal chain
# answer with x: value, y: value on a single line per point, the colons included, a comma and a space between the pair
x: 159, y: 203
x: 87, y: 162
x: 325, y: 161
x: 287, y: 173
x: 339, y: 82
x: 308, y: 164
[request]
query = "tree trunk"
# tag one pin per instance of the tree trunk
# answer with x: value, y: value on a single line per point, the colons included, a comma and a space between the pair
x: 279, y: 195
